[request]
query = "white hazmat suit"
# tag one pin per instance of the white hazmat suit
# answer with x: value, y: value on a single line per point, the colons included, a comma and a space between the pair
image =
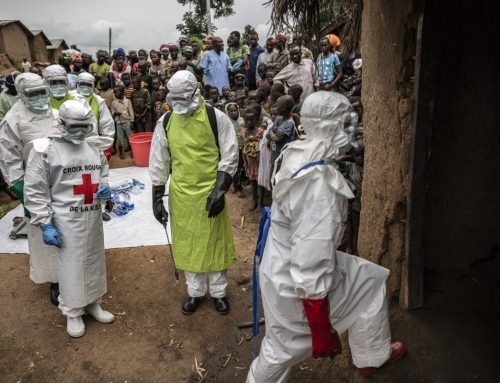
x: 64, y: 174
x: 300, y: 262
x: 104, y: 119
x: 56, y: 78
x: 30, y: 118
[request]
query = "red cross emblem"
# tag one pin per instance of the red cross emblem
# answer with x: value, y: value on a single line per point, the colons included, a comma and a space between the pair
x: 87, y: 188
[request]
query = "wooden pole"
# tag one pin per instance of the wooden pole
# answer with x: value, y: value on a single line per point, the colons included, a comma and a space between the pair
x: 109, y: 41
x: 209, y: 17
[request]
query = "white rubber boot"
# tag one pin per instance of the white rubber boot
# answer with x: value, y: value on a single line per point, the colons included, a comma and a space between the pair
x: 99, y: 314
x: 75, y: 327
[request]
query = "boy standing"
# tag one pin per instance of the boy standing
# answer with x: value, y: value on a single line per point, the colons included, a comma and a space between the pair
x: 141, y: 102
x: 283, y: 130
x: 123, y: 113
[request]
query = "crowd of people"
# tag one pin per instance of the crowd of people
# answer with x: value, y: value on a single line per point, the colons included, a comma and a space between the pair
x: 273, y: 121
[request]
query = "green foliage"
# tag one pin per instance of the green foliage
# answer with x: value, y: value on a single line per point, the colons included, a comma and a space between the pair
x: 14, y: 63
x: 246, y: 34
x: 195, y: 20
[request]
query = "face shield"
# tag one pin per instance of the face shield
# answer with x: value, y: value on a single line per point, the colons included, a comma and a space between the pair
x: 33, y: 92
x: 85, y: 84
x: 75, y: 122
x: 37, y: 98
x: 329, y: 116
x: 184, y: 93
x: 58, y: 86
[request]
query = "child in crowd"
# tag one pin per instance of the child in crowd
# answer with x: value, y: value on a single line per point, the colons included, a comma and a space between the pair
x: 264, y: 158
x: 155, y: 93
x: 270, y: 77
x: 141, y: 101
x: 278, y: 88
x: 295, y: 91
x: 225, y: 93
x: 239, y: 85
x: 351, y: 167
x: 241, y: 100
x: 106, y: 92
x: 233, y: 113
x: 213, y: 96
x: 232, y: 97
x: 283, y: 130
x: 160, y: 106
x: 123, y: 113
x: 127, y: 88
x: 262, y: 69
x: 252, y: 134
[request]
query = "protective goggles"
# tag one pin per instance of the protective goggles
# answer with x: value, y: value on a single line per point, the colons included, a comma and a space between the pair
x: 77, y: 127
x: 184, y: 96
x: 40, y: 91
x: 86, y: 83
x: 57, y: 81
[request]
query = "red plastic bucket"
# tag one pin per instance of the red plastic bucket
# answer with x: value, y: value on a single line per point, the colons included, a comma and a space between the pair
x: 141, y: 144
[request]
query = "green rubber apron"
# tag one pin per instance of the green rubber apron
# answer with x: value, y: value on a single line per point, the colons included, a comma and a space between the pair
x: 200, y: 244
x: 56, y: 104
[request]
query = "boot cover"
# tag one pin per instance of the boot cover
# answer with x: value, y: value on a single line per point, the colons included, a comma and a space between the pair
x: 100, y: 315
x: 75, y: 327
x: 398, y: 350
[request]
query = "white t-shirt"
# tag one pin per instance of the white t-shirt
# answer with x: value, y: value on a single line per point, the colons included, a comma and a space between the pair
x: 26, y: 66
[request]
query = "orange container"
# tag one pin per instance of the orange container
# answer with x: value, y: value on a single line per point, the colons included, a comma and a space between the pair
x: 141, y: 145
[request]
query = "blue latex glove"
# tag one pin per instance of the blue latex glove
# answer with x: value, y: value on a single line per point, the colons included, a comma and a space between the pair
x: 50, y: 235
x: 104, y: 192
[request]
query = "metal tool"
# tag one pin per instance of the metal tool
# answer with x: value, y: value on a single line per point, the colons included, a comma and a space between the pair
x: 176, y: 272
x: 19, y: 228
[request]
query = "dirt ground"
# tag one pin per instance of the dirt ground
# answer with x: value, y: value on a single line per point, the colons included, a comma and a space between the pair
x: 453, y: 339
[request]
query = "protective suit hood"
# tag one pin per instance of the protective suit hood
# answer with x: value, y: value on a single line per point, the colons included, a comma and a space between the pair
x: 184, y: 93
x: 53, y: 73
x: 75, y: 120
x: 330, y: 123
x: 54, y: 70
x: 85, y: 84
x: 31, y: 81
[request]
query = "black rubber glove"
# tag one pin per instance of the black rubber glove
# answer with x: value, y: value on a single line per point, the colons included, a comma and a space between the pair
x: 159, y: 211
x: 215, y: 201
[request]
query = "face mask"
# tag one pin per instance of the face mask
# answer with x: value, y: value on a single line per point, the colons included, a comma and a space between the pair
x: 58, y: 91
x: 38, y: 104
x: 181, y: 107
x: 75, y: 137
x: 85, y: 90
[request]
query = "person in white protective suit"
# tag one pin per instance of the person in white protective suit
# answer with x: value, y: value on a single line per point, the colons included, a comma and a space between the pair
x: 105, y: 122
x: 65, y: 182
x: 310, y: 292
x: 31, y: 117
x: 200, y: 144
x: 56, y: 79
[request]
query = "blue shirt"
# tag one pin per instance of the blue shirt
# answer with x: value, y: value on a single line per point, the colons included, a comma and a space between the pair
x: 285, y: 127
x: 326, y: 67
x: 215, y: 67
x: 253, y: 57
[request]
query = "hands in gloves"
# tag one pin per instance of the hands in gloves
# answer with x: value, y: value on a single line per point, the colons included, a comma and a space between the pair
x: 159, y: 211
x: 325, y: 340
x: 50, y: 235
x: 215, y: 201
x: 104, y: 192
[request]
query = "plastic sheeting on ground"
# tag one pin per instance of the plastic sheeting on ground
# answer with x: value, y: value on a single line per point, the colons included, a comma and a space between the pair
x: 137, y: 228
